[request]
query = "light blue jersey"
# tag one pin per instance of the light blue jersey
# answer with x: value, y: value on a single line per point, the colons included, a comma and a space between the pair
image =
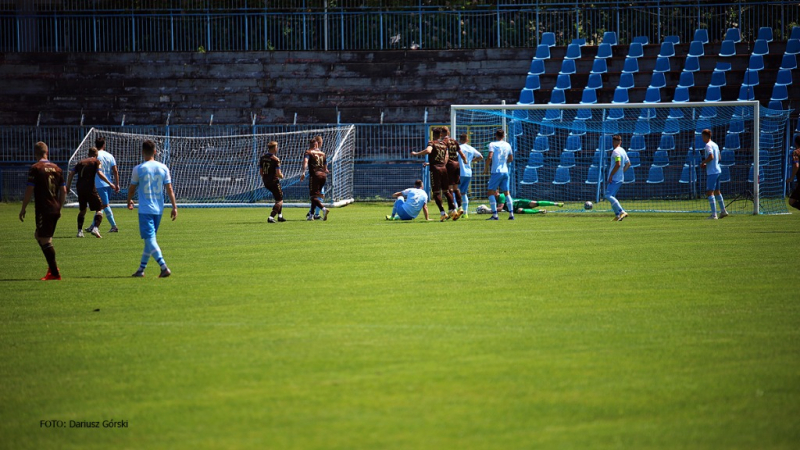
x: 415, y: 200
x: 151, y: 176
x: 619, y: 154
x: 107, y: 161
x: 470, y: 153
x: 712, y: 167
x: 501, y: 151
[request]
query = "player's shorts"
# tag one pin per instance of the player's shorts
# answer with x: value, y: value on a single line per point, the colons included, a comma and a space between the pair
x: 148, y: 225
x: 316, y: 183
x: 400, y: 209
x: 275, y: 188
x: 613, y: 188
x: 463, y: 184
x: 90, y: 198
x: 439, y: 179
x: 104, y: 193
x: 46, y: 224
x: 796, y: 193
x: 712, y: 182
x: 453, y: 172
x: 498, y: 181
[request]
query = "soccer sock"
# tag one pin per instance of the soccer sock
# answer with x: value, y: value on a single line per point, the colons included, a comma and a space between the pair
x: 614, y: 204
x: 80, y: 221
x: 450, y: 204
x: 50, y: 256
x: 98, y: 219
x: 493, y: 204
x: 110, y: 216
x: 151, y: 248
x: 394, y: 211
x: 713, y: 205
x: 319, y: 208
x: 465, y: 199
x: 545, y: 203
x: 437, y: 197
x: 721, y: 202
x: 274, y: 211
x: 458, y: 199
x: 510, y: 204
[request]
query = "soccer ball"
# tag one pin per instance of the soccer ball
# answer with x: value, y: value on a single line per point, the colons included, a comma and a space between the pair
x: 483, y: 209
x: 588, y: 205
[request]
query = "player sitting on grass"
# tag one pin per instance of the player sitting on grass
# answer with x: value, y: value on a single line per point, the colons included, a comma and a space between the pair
x: 409, y: 203
x: 87, y: 169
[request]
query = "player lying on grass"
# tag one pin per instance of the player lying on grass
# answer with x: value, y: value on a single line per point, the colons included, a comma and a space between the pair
x: 409, y: 203
x: 522, y: 206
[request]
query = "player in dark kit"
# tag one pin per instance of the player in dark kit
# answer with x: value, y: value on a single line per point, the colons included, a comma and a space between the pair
x: 271, y: 175
x: 438, y: 166
x: 794, y: 198
x: 314, y: 160
x: 86, y: 169
x: 454, y: 170
x: 46, y: 185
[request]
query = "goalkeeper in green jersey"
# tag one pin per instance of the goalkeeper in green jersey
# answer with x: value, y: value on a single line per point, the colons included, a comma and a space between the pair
x: 525, y: 206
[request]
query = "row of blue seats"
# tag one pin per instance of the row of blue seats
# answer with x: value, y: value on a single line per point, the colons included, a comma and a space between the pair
x: 660, y: 158
x: 672, y: 125
x: 655, y: 175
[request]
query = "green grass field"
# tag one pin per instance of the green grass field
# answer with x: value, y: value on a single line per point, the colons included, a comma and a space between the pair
x: 559, y: 331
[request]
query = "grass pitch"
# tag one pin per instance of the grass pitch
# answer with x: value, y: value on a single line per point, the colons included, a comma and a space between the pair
x: 558, y: 331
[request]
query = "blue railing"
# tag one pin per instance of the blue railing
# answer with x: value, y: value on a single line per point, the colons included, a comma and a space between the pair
x: 239, y: 27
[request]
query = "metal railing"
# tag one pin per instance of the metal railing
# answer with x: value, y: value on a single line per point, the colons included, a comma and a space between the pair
x: 243, y: 26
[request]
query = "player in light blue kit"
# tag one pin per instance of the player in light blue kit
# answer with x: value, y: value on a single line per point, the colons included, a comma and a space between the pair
x: 500, y: 154
x: 619, y: 160
x: 409, y: 203
x: 109, y: 167
x: 466, y: 169
x: 153, y: 177
x: 713, y: 171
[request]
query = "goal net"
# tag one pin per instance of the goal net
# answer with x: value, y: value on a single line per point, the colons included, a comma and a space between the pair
x: 219, y: 171
x: 562, y: 153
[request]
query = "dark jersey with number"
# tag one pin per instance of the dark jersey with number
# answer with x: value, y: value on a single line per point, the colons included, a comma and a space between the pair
x: 438, y: 153
x: 269, y: 164
x: 47, y: 180
x: 316, y: 162
x: 86, y: 170
x: 452, y: 148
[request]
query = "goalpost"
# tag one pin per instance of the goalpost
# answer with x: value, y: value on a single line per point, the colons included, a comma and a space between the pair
x: 562, y: 152
x: 223, y: 171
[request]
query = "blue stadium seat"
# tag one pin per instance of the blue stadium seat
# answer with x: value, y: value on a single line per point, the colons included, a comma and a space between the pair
x: 728, y: 48
x: 620, y: 95
x: 595, y: 80
x: 579, y: 41
x: 708, y: 112
x: 548, y: 39
x: 563, y: 82
x: 526, y: 97
x: 610, y: 37
x: 696, y: 49
x: 611, y: 126
x: 642, y: 127
x: 789, y: 62
x: 713, y: 94
x: 604, y: 51
x: 546, y: 129
x: 573, y: 51
x: 630, y: 175
x: 626, y: 81
x: 661, y: 158
x: 686, y: 80
x: 717, y: 78
x: 732, y: 141
x: 761, y: 47
x: 537, y: 67
x: 674, y: 39
x: 589, y: 96
x: 631, y: 65
x: 662, y: 64
x: 616, y: 114
x: 725, y: 174
x: 688, y: 175
x: 657, y: 80
x: 675, y: 113
x: 647, y: 113
x: 653, y: 95
x: 756, y: 63
x: 775, y: 105
x: 578, y: 128
x: 779, y: 92
x: 562, y: 175
x: 644, y: 40
x: 792, y: 47
x: 557, y: 97
x: 605, y: 143
x: 784, y: 77
x: 699, y: 126
x: 532, y: 82
x: 727, y: 157
x: 723, y: 67
x: 701, y: 34
x: 692, y: 64
x: 747, y: 93
x: 635, y: 50
x: 681, y: 95
x: 742, y: 111
x: 535, y: 160
x: 593, y: 177
x: 692, y: 158
x: 597, y: 158
x: 667, y: 142
x: 637, y: 143
x: 698, y: 138
x: 765, y: 33
x: 584, y: 114
x: 736, y: 126
x: 541, y: 144
x: 750, y: 175
x: 567, y: 67
x: 634, y: 157
x: 574, y: 143
x: 542, y: 52
x: 672, y: 126
x: 599, y: 66
x: 750, y: 78
x: 667, y: 50
x: 795, y: 33
x: 567, y: 159
x: 656, y: 175
x: 733, y: 34
x: 530, y: 176
x: 553, y: 115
